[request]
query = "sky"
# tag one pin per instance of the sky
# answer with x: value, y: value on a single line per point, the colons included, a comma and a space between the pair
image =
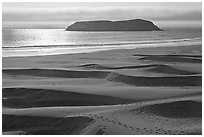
x: 62, y: 14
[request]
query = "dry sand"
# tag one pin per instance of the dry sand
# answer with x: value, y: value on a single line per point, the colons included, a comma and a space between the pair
x: 116, y: 92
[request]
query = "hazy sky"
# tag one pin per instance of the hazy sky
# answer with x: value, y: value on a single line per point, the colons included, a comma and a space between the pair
x: 60, y: 15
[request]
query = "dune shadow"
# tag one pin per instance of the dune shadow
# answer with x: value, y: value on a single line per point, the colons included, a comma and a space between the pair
x: 36, y: 125
x: 172, y: 58
x: 28, y: 97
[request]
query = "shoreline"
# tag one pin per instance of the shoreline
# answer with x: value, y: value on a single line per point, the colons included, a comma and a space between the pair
x: 98, y: 49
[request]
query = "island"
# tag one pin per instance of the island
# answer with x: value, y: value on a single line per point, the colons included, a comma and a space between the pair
x: 105, y: 25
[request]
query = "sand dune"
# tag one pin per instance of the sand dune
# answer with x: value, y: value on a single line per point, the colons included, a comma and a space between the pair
x: 150, y: 91
x: 177, y: 109
x: 104, y: 88
x: 194, y: 80
x: 127, y: 119
x: 186, y: 80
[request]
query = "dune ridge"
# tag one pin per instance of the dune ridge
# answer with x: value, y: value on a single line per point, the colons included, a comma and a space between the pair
x: 159, y: 68
x: 184, y: 80
x: 171, y: 55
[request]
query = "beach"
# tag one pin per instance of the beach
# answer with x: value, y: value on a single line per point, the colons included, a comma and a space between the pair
x: 138, y: 91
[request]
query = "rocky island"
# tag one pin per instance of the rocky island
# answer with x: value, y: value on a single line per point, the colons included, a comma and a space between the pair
x: 104, y: 25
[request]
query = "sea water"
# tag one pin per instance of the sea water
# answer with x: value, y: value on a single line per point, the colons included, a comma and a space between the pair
x: 38, y: 42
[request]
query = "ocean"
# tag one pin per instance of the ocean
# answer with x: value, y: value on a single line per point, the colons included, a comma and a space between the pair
x: 38, y: 42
